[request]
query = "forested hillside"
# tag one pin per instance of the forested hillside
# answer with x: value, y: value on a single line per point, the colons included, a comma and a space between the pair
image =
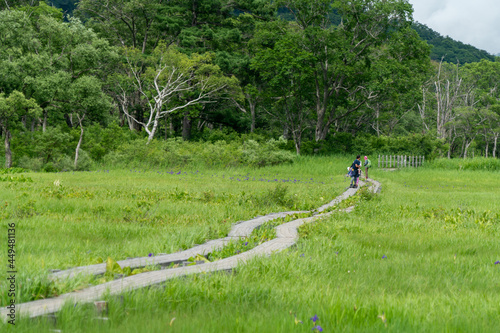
x: 121, y: 76
x: 450, y: 50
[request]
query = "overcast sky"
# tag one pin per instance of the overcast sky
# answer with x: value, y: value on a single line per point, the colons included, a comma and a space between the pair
x: 474, y: 22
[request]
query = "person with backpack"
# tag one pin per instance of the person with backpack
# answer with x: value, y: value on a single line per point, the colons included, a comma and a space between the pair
x: 355, y: 172
x: 367, y: 166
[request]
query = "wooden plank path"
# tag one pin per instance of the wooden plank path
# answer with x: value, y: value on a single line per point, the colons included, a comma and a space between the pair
x: 286, y: 236
x: 241, y: 229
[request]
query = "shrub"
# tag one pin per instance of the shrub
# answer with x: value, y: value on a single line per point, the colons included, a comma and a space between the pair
x: 84, y: 161
x: 66, y: 163
x: 256, y: 154
x: 278, y: 196
x: 33, y: 164
x: 178, y: 153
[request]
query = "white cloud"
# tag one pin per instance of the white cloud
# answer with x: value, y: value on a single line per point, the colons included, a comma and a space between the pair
x: 471, y: 22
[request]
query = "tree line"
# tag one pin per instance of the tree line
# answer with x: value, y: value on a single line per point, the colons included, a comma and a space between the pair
x: 315, y: 72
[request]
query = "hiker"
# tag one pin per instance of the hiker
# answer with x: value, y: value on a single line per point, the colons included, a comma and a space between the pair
x: 367, y: 166
x: 356, y: 168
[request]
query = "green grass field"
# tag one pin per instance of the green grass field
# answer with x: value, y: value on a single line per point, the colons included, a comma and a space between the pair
x: 419, y: 257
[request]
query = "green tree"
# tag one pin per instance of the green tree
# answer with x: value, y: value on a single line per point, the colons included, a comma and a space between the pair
x: 173, y: 81
x: 15, y: 110
x: 397, y: 72
x: 342, y: 53
x: 130, y: 23
x: 283, y: 65
x: 87, y: 102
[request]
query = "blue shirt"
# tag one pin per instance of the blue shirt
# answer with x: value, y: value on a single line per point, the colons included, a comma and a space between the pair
x: 355, y: 167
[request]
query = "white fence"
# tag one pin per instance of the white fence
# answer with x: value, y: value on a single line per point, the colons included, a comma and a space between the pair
x: 400, y: 161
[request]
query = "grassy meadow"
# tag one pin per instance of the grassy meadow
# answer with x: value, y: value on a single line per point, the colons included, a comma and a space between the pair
x: 419, y: 257
x: 71, y: 219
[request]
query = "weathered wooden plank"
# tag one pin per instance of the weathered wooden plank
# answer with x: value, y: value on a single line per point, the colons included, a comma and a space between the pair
x: 286, y: 236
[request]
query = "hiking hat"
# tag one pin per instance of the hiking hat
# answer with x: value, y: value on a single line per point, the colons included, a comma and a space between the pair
x: 366, y: 157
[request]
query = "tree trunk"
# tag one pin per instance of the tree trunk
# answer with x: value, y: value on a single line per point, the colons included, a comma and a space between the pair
x: 252, y: 115
x: 155, y: 127
x: 69, y: 119
x: 297, y: 138
x: 44, y: 122
x: 321, y: 129
x: 186, y: 126
x: 467, y: 145
x: 166, y: 128
x: 8, y: 152
x: 495, y: 145
x: 285, y: 132
x: 80, y: 121
x: 171, y: 128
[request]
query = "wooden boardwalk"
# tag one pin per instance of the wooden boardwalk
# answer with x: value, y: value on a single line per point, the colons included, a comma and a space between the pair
x: 286, y: 236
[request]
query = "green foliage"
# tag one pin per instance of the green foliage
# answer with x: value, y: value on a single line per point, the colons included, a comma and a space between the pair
x: 16, y: 179
x: 175, y: 152
x: 267, y: 153
x: 473, y: 164
x: 113, y: 269
x: 99, y: 140
x: 465, y: 218
x: 5, y: 171
x: 449, y: 50
x: 277, y: 196
x: 365, y: 144
x: 415, y: 144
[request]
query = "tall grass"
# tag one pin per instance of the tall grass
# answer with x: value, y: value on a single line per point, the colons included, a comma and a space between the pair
x: 420, y: 257
x: 477, y: 163
x: 72, y: 219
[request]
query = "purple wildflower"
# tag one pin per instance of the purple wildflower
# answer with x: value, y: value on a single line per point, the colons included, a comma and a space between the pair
x: 302, y: 255
x: 314, y: 319
x: 497, y: 262
x: 150, y: 255
x: 246, y: 243
x: 318, y: 328
x: 384, y: 257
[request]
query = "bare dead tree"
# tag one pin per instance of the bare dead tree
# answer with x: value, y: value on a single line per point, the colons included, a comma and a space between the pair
x: 168, y: 83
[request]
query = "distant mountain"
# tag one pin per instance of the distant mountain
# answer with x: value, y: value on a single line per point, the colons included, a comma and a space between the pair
x: 449, y: 49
